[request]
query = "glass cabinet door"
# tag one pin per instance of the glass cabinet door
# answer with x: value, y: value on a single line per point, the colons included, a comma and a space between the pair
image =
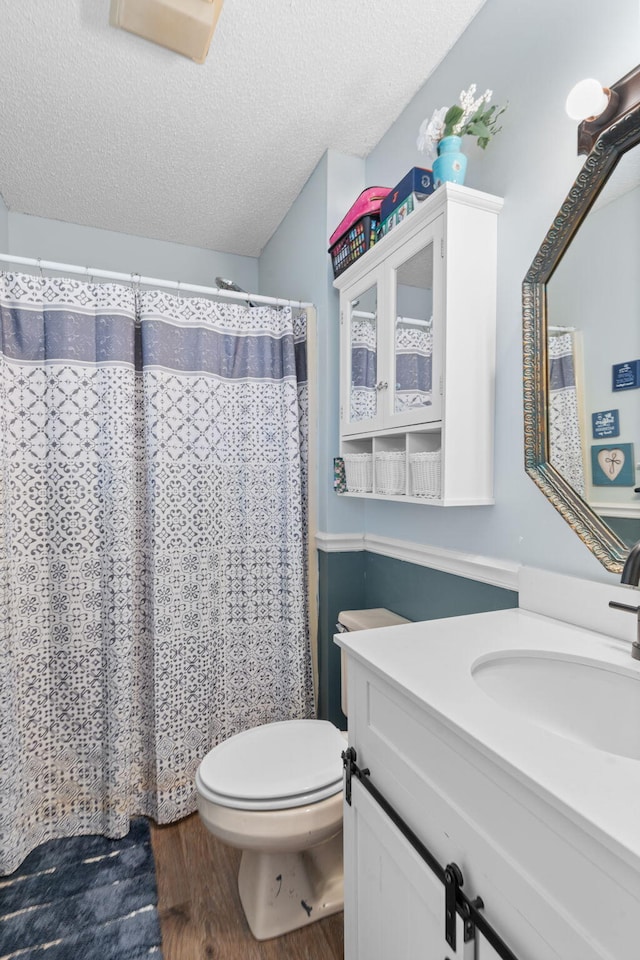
x: 415, y: 361
x: 363, y: 389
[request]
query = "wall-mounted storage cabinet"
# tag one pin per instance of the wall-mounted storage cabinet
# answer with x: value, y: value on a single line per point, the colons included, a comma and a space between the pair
x: 417, y: 357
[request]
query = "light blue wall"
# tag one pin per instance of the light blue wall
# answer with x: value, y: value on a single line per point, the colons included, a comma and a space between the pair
x: 295, y: 264
x: 530, y: 53
x: 108, y: 250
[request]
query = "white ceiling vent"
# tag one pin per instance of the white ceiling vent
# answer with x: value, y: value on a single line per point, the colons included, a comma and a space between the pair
x: 185, y: 26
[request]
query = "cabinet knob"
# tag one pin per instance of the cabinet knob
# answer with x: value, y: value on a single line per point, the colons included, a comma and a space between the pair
x: 382, y: 385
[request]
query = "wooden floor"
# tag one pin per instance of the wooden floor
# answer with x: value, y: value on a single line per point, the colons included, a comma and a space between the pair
x: 200, y: 912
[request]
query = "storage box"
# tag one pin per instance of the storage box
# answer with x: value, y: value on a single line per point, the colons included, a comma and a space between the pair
x: 418, y: 181
x: 362, y: 235
x: 396, y: 216
x: 358, y: 229
x: 391, y: 469
x: 359, y: 472
x: 426, y: 474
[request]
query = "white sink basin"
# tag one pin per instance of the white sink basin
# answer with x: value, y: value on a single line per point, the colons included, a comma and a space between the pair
x: 587, y: 701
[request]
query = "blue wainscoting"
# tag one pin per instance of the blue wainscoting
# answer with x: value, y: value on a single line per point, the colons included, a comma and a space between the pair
x: 351, y: 581
x: 341, y: 586
x: 627, y: 528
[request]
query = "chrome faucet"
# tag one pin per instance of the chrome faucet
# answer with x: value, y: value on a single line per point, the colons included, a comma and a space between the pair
x: 631, y: 575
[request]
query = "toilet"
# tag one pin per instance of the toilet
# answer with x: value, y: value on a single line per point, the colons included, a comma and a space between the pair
x: 275, y: 792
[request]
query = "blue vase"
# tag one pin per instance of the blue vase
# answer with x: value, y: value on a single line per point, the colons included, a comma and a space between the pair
x: 450, y: 164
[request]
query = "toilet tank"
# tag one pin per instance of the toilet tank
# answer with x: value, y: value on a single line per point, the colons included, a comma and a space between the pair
x: 349, y: 620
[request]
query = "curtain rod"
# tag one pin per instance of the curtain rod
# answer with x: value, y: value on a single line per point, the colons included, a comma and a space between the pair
x: 135, y: 278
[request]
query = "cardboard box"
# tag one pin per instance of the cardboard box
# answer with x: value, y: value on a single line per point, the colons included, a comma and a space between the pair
x: 418, y: 181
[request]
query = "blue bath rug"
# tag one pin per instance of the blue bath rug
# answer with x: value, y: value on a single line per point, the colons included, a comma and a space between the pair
x: 83, y: 898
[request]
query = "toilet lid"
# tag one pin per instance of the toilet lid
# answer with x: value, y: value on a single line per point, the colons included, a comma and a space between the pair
x: 293, y: 758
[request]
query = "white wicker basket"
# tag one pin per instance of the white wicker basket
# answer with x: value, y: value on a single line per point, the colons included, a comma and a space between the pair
x: 426, y: 474
x: 391, y: 473
x: 358, y: 469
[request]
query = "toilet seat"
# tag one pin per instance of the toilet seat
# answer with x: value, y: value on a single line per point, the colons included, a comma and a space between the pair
x: 275, y: 766
x: 270, y: 803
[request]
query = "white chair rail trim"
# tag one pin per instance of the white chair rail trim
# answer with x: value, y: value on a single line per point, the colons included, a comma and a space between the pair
x: 499, y: 573
x: 616, y: 509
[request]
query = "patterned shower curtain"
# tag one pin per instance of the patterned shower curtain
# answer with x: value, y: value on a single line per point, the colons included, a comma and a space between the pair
x: 414, y: 364
x: 364, y: 399
x: 565, y: 438
x: 152, y: 547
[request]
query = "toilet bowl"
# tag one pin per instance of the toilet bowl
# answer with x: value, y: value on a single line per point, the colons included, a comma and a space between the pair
x: 275, y: 792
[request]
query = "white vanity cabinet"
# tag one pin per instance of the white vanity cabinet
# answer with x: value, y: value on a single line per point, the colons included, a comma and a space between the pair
x: 556, y: 883
x: 395, y: 905
x: 417, y: 354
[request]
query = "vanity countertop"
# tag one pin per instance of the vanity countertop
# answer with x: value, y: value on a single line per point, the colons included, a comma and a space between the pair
x: 431, y: 662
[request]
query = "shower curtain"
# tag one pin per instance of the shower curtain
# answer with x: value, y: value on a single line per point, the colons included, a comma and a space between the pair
x: 152, y: 547
x: 565, y: 438
x: 364, y: 338
x: 414, y: 363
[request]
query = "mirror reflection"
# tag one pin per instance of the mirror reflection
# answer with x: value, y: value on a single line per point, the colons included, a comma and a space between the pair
x: 363, y: 338
x: 413, y: 334
x: 593, y: 337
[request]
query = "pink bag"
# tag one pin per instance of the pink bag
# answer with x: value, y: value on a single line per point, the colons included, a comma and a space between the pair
x: 367, y: 203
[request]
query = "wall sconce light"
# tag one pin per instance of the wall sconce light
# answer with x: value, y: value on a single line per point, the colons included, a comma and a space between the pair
x: 598, y: 108
x: 587, y: 100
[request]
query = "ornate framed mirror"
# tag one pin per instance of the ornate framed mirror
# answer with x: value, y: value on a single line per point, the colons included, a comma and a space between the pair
x: 581, y: 339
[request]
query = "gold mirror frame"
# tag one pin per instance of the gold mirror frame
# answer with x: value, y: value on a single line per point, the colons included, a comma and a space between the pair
x: 620, y: 135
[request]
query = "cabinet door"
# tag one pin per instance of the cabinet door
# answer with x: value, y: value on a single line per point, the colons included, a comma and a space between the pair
x: 394, y: 904
x: 416, y: 328
x: 360, y: 409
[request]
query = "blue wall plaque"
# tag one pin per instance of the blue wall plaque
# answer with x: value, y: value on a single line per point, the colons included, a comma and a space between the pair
x: 613, y: 465
x: 605, y: 423
x: 626, y: 376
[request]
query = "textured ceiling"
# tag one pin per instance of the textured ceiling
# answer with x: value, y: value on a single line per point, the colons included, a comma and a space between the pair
x: 101, y: 128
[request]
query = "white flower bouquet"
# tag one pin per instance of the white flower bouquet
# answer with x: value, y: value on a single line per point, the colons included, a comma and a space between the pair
x: 470, y: 116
